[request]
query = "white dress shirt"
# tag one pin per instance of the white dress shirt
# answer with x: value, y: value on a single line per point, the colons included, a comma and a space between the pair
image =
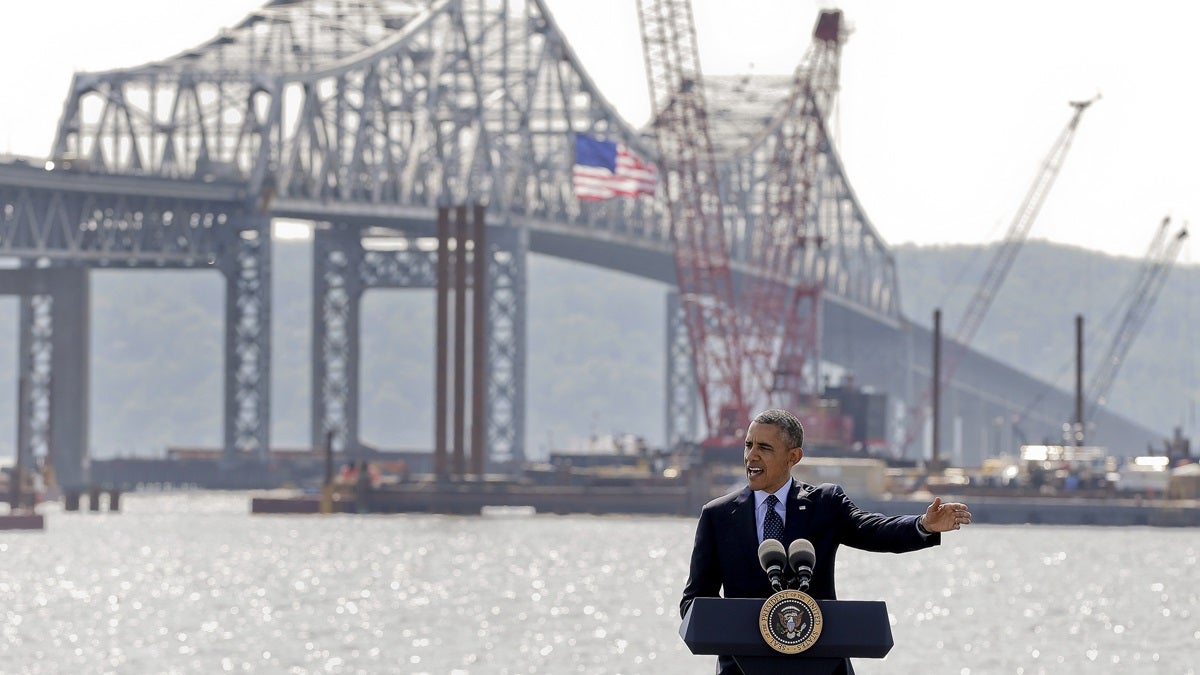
x: 760, y: 506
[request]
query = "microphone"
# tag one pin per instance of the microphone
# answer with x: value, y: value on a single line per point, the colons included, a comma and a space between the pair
x: 773, y: 560
x: 801, y: 558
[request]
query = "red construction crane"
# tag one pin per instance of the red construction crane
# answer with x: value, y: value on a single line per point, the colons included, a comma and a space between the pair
x: 689, y: 176
x: 785, y: 351
x: 1000, y: 265
x: 1138, y: 302
x: 743, y: 348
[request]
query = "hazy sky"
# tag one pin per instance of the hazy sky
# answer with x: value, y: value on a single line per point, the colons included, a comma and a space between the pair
x: 947, y: 107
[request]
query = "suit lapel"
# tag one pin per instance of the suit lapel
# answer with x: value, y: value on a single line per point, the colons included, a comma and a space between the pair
x: 743, y: 511
x: 743, y: 528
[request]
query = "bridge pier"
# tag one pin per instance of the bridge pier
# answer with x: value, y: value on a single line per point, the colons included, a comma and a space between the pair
x: 682, y: 405
x: 469, y: 265
x: 72, y: 499
x: 246, y: 264
x: 343, y: 269
x: 337, y: 287
x: 52, y: 398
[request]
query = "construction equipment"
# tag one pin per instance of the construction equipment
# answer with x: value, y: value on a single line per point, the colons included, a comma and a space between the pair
x: 1138, y: 301
x: 749, y: 348
x: 787, y: 351
x: 999, y: 266
x: 689, y: 175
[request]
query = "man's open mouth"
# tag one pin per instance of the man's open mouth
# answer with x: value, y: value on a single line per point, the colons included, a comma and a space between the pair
x: 753, y: 470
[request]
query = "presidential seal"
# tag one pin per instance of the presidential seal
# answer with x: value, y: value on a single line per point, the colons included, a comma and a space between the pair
x: 790, y: 621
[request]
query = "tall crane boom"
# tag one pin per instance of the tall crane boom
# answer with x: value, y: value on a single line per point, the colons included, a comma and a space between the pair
x: 750, y: 346
x: 1001, y: 262
x: 689, y: 175
x: 782, y: 350
x: 1138, y: 301
x: 1017, y: 232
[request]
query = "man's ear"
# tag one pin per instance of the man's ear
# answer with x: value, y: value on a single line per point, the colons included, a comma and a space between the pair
x: 797, y: 455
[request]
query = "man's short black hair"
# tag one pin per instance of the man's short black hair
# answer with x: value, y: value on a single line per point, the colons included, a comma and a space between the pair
x: 786, y: 422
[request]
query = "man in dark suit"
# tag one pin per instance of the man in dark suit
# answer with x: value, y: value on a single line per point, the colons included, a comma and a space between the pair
x: 725, y: 554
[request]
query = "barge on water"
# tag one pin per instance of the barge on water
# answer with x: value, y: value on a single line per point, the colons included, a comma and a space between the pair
x: 684, y: 496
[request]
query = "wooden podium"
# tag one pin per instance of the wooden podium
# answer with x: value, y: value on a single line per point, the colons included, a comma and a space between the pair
x: 852, y: 629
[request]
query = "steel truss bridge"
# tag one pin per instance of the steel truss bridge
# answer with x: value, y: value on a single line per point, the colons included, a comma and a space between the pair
x: 365, y: 116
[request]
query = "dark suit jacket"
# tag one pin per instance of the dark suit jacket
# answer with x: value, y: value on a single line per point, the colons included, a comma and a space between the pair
x: 725, y: 555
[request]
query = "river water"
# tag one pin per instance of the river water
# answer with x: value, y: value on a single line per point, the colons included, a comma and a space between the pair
x: 193, y: 583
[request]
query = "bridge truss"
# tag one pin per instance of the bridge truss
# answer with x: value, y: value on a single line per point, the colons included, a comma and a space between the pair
x: 366, y: 116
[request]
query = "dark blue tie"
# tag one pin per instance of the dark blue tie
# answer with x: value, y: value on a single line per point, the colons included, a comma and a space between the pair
x: 772, y: 524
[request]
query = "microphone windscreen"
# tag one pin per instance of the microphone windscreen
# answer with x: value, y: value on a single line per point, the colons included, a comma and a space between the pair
x: 771, y: 553
x: 801, y: 554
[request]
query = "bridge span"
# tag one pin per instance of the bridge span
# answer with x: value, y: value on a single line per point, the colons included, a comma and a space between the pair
x: 366, y: 123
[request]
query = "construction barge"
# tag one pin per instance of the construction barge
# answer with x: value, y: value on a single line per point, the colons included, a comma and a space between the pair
x: 22, y: 521
x: 685, y: 495
x: 1040, y: 487
x: 473, y: 498
x: 468, y: 499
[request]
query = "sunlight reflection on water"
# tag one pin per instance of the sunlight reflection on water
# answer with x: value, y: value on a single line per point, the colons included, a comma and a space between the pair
x: 192, y: 582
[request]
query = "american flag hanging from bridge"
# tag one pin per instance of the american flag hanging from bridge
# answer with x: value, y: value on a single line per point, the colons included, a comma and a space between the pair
x: 606, y: 169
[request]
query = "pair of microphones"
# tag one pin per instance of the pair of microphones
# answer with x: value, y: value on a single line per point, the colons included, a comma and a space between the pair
x: 799, y: 558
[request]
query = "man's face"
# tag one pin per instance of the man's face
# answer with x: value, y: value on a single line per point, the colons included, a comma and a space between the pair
x: 768, y: 458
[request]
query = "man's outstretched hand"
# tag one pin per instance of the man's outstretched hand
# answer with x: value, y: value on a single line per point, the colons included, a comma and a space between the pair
x: 943, y: 517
